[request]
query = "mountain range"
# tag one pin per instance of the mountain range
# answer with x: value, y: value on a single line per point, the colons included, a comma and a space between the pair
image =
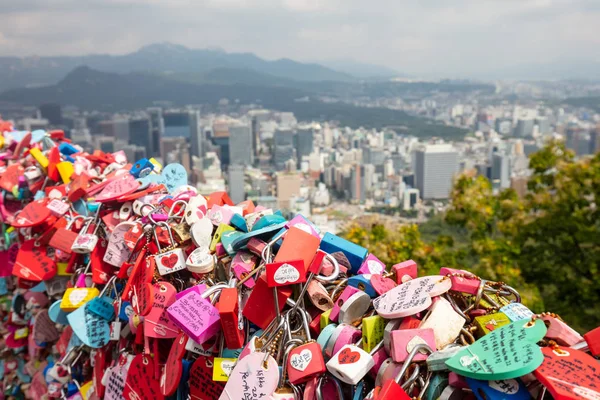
x: 171, y: 59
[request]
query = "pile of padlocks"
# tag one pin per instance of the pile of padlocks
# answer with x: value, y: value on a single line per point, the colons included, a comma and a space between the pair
x: 120, y: 281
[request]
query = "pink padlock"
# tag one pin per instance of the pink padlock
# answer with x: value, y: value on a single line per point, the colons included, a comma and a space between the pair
x: 457, y: 381
x: 462, y: 281
x: 405, y: 271
x: 256, y: 246
x: 403, y: 342
x: 200, y: 288
x: 220, y: 215
x: 184, y: 313
x: 346, y: 294
x: 301, y: 223
x: 560, y: 332
x: 372, y: 265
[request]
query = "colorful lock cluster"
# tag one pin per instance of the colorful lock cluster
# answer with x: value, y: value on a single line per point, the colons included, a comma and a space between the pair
x: 118, y: 280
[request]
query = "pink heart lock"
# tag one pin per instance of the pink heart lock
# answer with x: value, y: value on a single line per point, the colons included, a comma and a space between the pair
x: 157, y: 323
x: 250, y: 378
x: 411, y: 297
x: 119, y: 186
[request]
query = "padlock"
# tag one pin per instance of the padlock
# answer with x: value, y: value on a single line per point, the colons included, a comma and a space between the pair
x: 345, y: 295
x: 170, y: 259
x: 260, y: 307
x: 342, y: 335
x: 487, y: 323
x: 232, y: 323
x: 373, y: 328
x: 77, y: 297
x: 372, y: 265
x: 391, y: 389
x: 592, y: 339
x: 284, y: 273
x: 183, y: 312
x: 353, y: 252
x: 351, y: 363
x: 498, y: 389
x: 64, y: 238
x: 141, y: 168
x: 462, y: 281
x: 306, y: 360
x: 363, y: 283
x: 405, y: 271
x: 403, y: 341
x: 86, y: 242
x: 445, y: 322
x: 437, y: 360
x: 354, y: 308
x: 298, y: 245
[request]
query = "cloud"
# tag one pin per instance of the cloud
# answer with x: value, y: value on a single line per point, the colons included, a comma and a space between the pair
x: 428, y: 37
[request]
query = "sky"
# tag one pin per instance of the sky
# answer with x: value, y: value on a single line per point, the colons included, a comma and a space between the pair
x: 423, y: 37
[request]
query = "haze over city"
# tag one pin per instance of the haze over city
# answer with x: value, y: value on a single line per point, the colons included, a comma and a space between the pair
x: 431, y: 39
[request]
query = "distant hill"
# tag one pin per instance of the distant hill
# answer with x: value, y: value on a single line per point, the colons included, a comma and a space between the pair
x: 592, y: 102
x: 106, y: 91
x: 363, y: 70
x: 163, y: 58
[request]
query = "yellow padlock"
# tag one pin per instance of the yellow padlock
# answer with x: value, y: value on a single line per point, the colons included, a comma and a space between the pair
x: 86, y: 390
x: 21, y: 333
x: 61, y: 269
x: 324, y: 321
x: 372, y: 331
x: 222, y: 368
x: 222, y: 228
x: 1, y: 142
x: 487, y: 323
x: 65, y: 169
x: 39, y: 157
x: 76, y: 297
x: 157, y: 165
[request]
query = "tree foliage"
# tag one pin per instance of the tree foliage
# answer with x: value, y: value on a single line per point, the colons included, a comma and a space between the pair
x: 546, y: 244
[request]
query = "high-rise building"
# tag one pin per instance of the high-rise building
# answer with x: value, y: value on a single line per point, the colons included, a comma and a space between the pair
x: 524, y: 128
x: 435, y: 168
x: 52, y: 112
x: 357, y: 183
x: 501, y: 170
x: 105, y: 144
x: 236, y: 183
x: 410, y: 198
x: 288, y: 186
x: 283, y: 147
x: 140, y: 134
x: 157, y: 128
x: 257, y: 117
x: 304, y: 142
x: 595, y: 140
x: 196, y: 134
x: 240, y: 144
x: 134, y: 152
x: 543, y: 125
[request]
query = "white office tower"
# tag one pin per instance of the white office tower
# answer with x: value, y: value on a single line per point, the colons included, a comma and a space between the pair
x: 435, y: 167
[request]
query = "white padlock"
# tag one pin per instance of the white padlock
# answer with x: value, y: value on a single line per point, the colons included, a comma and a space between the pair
x: 445, y: 322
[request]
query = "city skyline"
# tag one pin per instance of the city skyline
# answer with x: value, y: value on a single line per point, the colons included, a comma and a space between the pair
x: 467, y: 39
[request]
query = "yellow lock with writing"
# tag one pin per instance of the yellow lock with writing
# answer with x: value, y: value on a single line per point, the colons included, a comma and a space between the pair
x: 222, y: 368
x: 372, y: 331
x: 76, y: 297
x: 39, y: 157
x: 487, y: 323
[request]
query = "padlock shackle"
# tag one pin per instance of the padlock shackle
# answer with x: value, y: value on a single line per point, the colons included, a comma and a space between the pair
x: 289, y: 346
x: 411, y: 379
x: 410, y: 357
x: 336, y: 270
x: 338, y: 386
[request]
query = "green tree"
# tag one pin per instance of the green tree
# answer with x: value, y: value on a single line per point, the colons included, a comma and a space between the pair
x: 546, y: 244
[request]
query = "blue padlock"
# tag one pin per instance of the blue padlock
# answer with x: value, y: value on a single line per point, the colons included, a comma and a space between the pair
x: 353, y: 252
x: 504, y: 389
x: 363, y: 282
x: 141, y: 168
x: 67, y: 149
x: 227, y: 239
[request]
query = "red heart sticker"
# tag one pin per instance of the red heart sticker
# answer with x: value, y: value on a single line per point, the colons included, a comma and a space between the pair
x: 33, y: 264
x: 140, y: 383
x: 173, y: 368
x: 569, y: 374
x: 347, y: 356
x: 170, y: 261
x: 33, y: 214
x: 202, y: 387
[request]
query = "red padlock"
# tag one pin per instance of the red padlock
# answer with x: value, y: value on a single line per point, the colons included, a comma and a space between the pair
x: 229, y: 313
x: 260, y: 306
x: 306, y: 361
x: 298, y: 245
